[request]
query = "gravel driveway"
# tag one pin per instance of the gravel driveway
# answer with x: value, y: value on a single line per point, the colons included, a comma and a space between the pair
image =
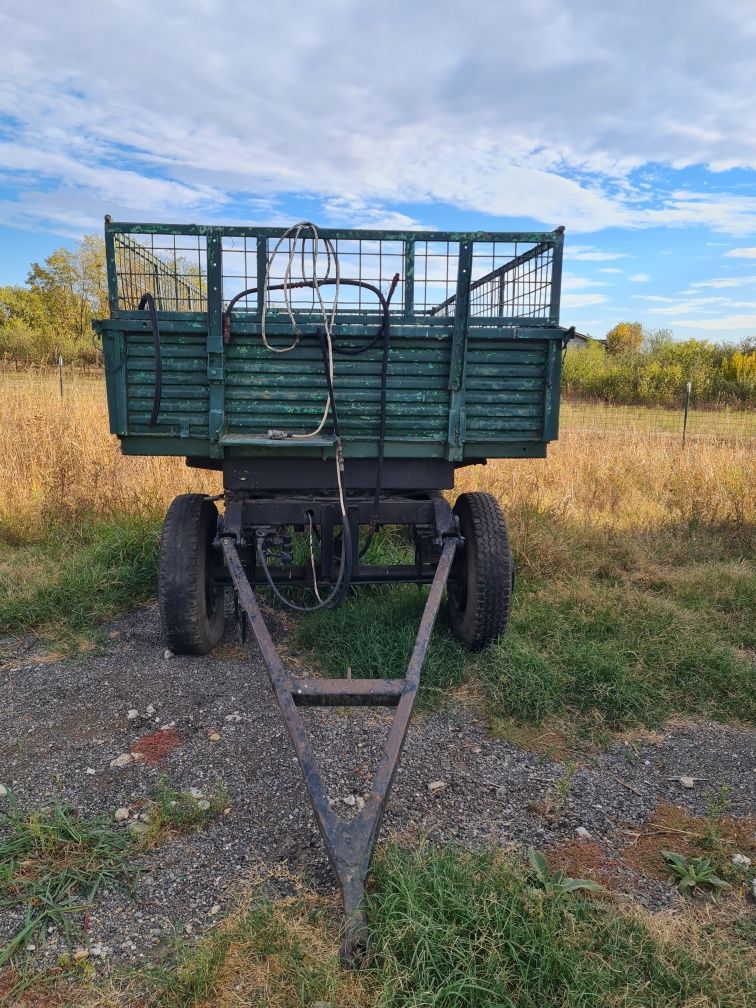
x: 62, y: 723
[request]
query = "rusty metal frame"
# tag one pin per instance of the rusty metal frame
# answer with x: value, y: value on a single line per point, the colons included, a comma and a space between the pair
x: 349, y: 844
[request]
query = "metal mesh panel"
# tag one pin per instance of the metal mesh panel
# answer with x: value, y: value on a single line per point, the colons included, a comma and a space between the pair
x: 435, y: 276
x: 170, y: 267
x: 373, y: 262
x: 510, y: 279
x: 507, y: 282
x: 239, y: 270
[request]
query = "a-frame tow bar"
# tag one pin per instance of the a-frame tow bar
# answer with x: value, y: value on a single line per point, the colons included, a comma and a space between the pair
x: 349, y: 844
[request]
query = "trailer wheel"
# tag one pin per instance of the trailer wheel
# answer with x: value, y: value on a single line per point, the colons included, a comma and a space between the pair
x: 191, y: 604
x: 480, y: 591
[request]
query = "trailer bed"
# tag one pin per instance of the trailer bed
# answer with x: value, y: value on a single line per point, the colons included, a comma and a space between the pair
x: 473, y: 364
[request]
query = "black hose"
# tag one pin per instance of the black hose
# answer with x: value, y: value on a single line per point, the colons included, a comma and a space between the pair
x: 338, y: 588
x: 148, y: 301
x: 325, y: 282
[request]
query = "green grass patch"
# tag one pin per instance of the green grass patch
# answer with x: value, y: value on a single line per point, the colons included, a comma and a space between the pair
x: 53, y: 863
x: 721, y: 594
x: 615, y: 655
x: 173, y: 812
x: 373, y: 633
x: 462, y: 930
x: 600, y: 640
x: 267, y: 954
x: 78, y: 576
x: 448, y: 929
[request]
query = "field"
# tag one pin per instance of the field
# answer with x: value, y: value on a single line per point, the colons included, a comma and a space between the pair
x: 636, y: 587
x: 635, y: 565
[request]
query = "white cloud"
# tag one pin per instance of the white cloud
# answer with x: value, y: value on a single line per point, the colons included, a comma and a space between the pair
x: 742, y: 253
x: 609, y: 269
x: 714, y: 304
x: 640, y: 277
x: 193, y: 106
x: 722, y: 282
x: 719, y: 324
x: 573, y: 283
x: 582, y: 300
x: 587, y: 253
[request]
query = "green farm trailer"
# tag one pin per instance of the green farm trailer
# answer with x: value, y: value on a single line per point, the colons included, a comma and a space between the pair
x: 336, y: 379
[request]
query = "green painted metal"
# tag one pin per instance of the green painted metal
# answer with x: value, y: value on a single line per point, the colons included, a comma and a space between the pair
x: 461, y: 385
x: 203, y: 230
x: 215, y: 355
x: 409, y: 278
x: 456, y: 423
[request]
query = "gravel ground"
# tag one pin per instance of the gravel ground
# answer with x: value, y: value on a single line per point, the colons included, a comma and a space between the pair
x: 63, y: 722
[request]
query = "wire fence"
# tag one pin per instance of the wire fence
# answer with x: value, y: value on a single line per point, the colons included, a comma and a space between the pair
x: 686, y: 423
x: 689, y: 425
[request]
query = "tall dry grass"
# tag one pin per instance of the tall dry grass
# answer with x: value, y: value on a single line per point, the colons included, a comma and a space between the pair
x: 59, y: 463
x: 643, y: 493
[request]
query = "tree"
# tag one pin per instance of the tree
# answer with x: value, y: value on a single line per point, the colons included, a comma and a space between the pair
x: 625, y: 337
x: 52, y: 314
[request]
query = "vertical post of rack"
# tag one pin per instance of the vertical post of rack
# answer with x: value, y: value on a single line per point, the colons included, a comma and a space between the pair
x: 409, y: 277
x: 556, y: 275
x: 215, y: 362
x: 456, y: 434
x: 110, y: 258
x: 262, y: 268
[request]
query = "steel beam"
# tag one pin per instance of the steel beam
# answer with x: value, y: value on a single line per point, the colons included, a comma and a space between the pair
x: 349, y: 844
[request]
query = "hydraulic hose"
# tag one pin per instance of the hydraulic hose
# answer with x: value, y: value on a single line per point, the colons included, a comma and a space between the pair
x: 148, y: 301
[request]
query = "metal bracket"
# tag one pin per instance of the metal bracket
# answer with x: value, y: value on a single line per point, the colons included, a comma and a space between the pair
x: 349, y: 844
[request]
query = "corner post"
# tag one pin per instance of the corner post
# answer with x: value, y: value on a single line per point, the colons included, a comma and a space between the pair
x: 456, y: 434
x: 215, y: 362
x: 112, y: 266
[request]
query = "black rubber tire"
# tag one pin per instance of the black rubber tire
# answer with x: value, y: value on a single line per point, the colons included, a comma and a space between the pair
x: 480, y: 594
x: 191, y: 606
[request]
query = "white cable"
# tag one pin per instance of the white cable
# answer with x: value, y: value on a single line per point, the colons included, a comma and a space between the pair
x: 294, y: 234
x: 312, y: 561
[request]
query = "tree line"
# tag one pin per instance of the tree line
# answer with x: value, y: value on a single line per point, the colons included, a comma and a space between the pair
x: 50, y: 316
x: 638, y: 366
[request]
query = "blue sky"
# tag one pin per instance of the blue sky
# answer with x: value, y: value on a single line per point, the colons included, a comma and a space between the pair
x: 633, y: 124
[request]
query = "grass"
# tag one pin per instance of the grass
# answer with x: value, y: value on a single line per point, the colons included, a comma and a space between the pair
x: 65, y: 585
x: 448, y: 929
x: 612, y: 655
x: 79, y: 523
x: 172, y: 813
x: 373, y: 634
x: 277, y: 955
x: 585, y: 415
x: 471, y: 929
x: 53, y: 864
x: 635, y: 592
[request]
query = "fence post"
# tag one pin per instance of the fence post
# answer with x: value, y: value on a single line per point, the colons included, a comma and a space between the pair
x: 688, y: 388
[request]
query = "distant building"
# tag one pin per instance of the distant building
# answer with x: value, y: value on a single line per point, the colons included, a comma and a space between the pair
x: 580, y: 341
